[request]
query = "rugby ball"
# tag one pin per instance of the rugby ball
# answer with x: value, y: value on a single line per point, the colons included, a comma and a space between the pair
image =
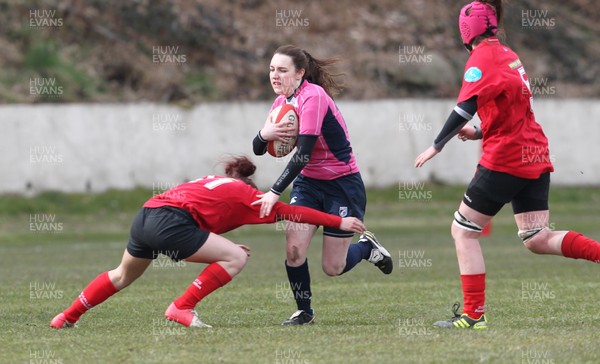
x: 284, y: 114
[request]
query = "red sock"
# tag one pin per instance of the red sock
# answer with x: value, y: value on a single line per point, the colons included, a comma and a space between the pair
x: 473, y: 286
x: 211, y: 278
x: 578, y: 246
x: 96, y: 292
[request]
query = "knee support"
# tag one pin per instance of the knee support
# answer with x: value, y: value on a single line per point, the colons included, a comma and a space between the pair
x: 527, y: 235
x: 464, y: 223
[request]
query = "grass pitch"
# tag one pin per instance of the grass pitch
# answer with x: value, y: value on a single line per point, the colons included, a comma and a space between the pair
x: 540, y: 309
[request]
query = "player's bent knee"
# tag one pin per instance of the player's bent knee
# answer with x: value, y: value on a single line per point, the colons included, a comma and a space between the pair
x: 333, y: 270
x: 116, y: 277
x: 536, y: 239
x: 119, y: 278
x: 235, y: 261
x: 240, y: 259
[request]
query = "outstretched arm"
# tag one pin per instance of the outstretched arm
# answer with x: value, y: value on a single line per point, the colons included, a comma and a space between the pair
x: 301, y: 214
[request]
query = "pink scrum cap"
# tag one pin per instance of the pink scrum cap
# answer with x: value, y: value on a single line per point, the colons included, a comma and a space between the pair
x: 475, y: 19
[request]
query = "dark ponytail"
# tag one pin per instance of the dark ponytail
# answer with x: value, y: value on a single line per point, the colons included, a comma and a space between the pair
x: 497, y: 4
x: 315, y: 70
x: 240, y: 167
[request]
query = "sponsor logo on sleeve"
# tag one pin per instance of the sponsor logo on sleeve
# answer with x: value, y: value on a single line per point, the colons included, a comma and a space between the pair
x: 515, y: 64
x: 473, y: 74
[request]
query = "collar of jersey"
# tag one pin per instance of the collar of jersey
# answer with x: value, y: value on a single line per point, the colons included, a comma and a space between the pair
x: 289, y: 99
x: 490, y: 41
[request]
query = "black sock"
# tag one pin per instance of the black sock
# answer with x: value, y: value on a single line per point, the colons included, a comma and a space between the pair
x: 299, y: 278
x: 356, y: 253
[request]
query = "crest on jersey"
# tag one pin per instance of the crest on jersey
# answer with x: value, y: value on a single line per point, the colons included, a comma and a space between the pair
x: 473, y: 74
x: 343, y: 211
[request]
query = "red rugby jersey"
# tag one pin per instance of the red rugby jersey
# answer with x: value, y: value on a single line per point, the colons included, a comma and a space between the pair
x: 513, y: 142
x: 220, y: 204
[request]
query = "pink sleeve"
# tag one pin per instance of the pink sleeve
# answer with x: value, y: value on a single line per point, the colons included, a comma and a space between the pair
x: 278, y: 101
x: 312, y: 112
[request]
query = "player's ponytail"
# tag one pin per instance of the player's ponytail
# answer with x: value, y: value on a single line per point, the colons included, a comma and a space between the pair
x: 316, y: 70
x: 240, y: 167
x: 318, y: 73
x: 497, y: 4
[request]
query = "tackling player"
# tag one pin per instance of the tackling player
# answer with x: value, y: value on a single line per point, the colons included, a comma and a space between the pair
x: 183, y: 223
x: 515, y: 165
x: 324, y: 171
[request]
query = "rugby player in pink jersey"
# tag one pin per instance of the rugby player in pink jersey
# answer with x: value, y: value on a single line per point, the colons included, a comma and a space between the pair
x: 323, y: 170
x: 184, y: 223
x: 515, y: 165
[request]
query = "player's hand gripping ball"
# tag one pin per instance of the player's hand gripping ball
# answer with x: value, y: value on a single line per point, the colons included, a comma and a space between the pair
x: 284, y: 114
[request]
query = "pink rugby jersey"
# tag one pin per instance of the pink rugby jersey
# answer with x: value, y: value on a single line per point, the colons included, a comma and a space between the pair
x: 332, y: 155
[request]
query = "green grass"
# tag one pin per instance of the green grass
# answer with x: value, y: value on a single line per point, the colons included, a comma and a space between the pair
x: 361, y: 317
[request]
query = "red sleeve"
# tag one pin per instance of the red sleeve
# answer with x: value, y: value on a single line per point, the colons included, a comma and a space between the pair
x: 480, y: 78
x: 305, y: 215
x: 242, y: 212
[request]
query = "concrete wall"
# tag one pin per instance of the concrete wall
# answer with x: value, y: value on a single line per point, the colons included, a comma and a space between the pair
x: 92, y: 147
